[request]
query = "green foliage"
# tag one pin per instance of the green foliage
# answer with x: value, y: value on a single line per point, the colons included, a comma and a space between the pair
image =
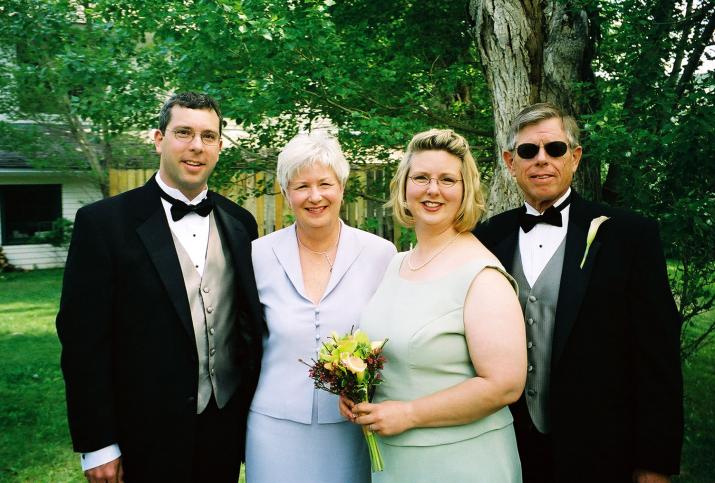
x: 653, y: 132
x: 59, y: 235
x: 82, y: 81
x: 376, y: 72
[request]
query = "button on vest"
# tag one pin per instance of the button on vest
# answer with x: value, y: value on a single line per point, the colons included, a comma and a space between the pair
x: 212, y: 299
x: 539, y: 305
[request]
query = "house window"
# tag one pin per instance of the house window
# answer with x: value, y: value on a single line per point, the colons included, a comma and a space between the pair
x: 28, y: 211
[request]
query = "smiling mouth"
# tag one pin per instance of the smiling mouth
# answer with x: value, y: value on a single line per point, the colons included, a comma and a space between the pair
x: 431, y: 205
x: 192, y: 163
x: 316, y: 209
x: 541, y: 176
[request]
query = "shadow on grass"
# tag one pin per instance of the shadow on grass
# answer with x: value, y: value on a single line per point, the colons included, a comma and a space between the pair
x: 30, y: 309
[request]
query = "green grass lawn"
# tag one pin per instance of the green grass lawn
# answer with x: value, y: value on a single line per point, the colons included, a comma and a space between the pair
x: 698, y: 462
x: 34, y: 440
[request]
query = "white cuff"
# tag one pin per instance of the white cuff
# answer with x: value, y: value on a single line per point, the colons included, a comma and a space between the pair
x: 101, y: 456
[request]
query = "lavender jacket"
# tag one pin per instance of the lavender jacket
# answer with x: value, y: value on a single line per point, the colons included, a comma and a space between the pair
x: 297, y: 327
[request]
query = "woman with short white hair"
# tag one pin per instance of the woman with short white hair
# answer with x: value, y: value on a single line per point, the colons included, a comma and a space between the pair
x: 313, y: 277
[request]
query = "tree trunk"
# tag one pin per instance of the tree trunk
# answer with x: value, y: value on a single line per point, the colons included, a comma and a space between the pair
x: 532, y: 51
x: 99, y: 170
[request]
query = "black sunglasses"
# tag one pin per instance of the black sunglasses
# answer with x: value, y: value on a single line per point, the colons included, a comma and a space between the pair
x: 555, y: 149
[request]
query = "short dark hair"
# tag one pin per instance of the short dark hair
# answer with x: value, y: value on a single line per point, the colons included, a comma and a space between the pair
x: 189, y: 100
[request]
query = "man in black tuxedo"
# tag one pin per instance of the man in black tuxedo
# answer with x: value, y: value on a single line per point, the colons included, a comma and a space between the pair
x: 603, y: 398
x: 159, y: 321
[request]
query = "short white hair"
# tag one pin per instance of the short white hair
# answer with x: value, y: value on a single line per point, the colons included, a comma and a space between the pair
x: 307, y: 149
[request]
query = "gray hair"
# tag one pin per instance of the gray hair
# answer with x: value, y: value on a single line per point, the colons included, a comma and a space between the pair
x: 307, y: 149
x: 536, y: 113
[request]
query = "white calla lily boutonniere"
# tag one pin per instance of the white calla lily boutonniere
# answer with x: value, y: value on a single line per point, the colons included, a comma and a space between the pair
x: 592, y: 230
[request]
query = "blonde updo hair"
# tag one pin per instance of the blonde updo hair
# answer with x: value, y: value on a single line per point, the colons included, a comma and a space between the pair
x: 472, y: 206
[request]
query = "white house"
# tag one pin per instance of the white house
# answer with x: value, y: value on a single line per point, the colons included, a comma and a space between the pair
x: 30, y: 201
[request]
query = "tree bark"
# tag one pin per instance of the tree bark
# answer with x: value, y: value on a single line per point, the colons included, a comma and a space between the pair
x: 532, y: 51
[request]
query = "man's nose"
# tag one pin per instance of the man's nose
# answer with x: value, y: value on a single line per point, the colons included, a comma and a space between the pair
x: 196, y: 143
x: 541, y: 155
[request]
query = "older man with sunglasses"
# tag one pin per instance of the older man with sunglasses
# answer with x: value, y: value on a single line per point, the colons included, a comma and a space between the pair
x: 603, y: 398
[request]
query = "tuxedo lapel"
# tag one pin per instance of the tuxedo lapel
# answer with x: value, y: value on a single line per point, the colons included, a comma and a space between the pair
x: 503, y: 237
x: 155, y: 234
x: 506, y: 249
x: 574, y: 279
x: 238, y: 241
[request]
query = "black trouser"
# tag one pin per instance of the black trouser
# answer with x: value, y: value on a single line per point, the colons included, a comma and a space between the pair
x: 535, y: 448
x: 219, y: 443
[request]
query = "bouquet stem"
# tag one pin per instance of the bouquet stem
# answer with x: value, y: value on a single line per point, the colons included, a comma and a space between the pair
x: 376, y: 463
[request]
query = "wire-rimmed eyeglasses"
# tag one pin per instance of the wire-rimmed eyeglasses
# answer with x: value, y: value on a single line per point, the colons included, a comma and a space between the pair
x: 186, y: 135
x: 444, y: 181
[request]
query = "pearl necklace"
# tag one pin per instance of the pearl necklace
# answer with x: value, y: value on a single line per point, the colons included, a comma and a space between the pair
x: 434, y: 255
x: 325, y: 253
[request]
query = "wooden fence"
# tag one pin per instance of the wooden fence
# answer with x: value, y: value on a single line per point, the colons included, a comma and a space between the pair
x: 270, y: 209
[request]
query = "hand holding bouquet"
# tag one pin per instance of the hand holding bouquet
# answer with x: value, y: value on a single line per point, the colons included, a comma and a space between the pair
x: 350, y: 366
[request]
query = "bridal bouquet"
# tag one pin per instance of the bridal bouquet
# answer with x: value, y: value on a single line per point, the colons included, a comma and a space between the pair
x: 350, y: 366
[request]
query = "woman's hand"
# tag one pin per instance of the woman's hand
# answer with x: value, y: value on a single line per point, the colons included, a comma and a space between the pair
x: 346, y: 408
x: 386, y: 418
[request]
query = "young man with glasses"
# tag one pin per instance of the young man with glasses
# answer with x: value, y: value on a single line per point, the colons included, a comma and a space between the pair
x: 159, y: 320
x: 603, y: 397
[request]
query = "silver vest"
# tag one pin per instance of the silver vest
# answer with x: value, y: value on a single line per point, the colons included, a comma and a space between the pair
x: 213, y: 311
x: 539, y: 305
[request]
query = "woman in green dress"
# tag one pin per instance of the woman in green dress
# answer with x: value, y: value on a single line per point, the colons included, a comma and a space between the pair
x: 456, y: 355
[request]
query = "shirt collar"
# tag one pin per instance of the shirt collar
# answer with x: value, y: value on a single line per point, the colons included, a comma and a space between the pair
x: 533, y: 211
x: 175, y: 193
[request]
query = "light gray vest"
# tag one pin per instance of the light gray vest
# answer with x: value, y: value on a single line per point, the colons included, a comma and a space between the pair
x: 539, y: 304
x: 213, y: 311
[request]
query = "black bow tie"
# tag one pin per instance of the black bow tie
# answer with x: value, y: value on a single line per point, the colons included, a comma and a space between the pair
x: 179, y: 209
x: 552, y: 216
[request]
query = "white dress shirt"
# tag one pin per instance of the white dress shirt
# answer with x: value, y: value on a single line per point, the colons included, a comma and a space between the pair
x: 539, y: 245
x: 192, y: 231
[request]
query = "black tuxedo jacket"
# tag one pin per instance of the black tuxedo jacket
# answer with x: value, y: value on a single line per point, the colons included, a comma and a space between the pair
x: 616, y: 384
x: 128, y: 349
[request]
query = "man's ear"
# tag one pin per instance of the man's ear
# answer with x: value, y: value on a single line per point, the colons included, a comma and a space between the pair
x: 576, y: 157
x: 158, y: 137
x: 508, y: 161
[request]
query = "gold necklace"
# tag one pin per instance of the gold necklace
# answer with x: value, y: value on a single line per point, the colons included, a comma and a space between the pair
x: 434, y: 255
x: 325, y: 253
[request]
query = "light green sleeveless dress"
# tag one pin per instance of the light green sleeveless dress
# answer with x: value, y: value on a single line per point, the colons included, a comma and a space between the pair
x: 427, y: 352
